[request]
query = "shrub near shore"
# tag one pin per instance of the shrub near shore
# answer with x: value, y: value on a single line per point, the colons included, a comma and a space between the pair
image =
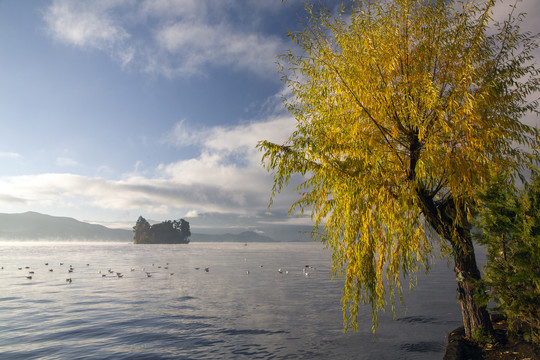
x: 510, y: 222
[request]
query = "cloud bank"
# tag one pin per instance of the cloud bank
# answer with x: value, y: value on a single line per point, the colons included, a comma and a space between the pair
x: 226, y: 177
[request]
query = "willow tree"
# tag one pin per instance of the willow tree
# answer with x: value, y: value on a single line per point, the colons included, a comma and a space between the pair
x: 403, y: 109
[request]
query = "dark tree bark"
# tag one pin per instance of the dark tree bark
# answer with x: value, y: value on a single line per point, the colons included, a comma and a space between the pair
x: 476, y: 320
x: 442, y: 217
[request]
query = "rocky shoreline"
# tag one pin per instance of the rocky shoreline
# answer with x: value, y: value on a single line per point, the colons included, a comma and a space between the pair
x: 504, y: 348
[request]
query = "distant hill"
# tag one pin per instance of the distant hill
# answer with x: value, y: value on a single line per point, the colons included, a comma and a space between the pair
x: 36, y: 226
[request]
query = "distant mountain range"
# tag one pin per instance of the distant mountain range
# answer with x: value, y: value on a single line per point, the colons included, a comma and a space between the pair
x: 36, y: 226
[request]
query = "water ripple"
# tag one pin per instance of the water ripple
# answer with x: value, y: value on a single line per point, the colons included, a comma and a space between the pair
x: 252, y: 332
x: 423, y: 346
x: 220, y: 314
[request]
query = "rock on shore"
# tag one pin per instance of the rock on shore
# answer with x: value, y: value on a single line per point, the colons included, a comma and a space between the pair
x: 504, y: 348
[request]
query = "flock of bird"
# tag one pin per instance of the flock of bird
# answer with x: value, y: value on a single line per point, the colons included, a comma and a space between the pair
x: 104, y: 274
x: 110, y: 273
x: 32, y: 272
x: 121, y: 275
x: 286, y: 272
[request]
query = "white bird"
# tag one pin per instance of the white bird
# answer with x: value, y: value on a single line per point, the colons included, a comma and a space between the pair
x: 280, y: 271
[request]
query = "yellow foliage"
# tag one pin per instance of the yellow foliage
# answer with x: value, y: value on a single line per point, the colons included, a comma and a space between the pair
x: 397, y: 102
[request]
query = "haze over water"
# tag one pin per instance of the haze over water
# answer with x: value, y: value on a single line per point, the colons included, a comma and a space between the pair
x: 224, y: 313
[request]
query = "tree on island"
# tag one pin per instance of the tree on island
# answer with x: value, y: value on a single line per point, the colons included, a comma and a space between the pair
x: 141, y: 231
x: 167, y: 232
x: 404, y: 109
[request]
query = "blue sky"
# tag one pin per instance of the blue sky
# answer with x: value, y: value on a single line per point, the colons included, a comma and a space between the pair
x: 111, y: 109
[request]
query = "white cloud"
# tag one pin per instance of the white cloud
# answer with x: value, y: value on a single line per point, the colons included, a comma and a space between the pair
x: 184, y: 136
x: 192, y: 214
x: 275, y: 129
x: 79, y: 24
x: 90, y: 25
x: 171, y: 38
x: 9, y: 155
x: 195, y: 45
x: 229, y: 161
x: 225, y: 178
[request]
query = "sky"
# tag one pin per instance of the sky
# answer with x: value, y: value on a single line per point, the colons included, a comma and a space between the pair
x: 111, y: 109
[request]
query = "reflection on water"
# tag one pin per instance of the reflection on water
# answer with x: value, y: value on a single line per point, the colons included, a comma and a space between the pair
x: 158, y: 302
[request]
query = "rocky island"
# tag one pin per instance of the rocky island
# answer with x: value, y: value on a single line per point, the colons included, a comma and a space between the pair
x: 167, y: 232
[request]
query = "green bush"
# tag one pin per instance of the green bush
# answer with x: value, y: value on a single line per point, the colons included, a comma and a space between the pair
x: 510, y: 228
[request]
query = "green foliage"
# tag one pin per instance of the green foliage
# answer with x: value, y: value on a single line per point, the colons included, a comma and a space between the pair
x: 402, y: 108
x: 167, y: 232
x: 510, y: 220
x: 141, y: 231
x: 183, y: 226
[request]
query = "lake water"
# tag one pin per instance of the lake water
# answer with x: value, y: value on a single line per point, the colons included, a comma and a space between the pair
x: 224, y: 313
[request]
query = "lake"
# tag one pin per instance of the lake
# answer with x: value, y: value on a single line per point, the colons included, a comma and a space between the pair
x: 165, y: 305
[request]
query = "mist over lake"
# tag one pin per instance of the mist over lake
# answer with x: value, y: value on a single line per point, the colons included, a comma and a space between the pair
x: 164, y: 305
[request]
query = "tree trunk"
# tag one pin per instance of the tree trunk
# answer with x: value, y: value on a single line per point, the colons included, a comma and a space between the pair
x: 441, y: 216
x: 476, y: 320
